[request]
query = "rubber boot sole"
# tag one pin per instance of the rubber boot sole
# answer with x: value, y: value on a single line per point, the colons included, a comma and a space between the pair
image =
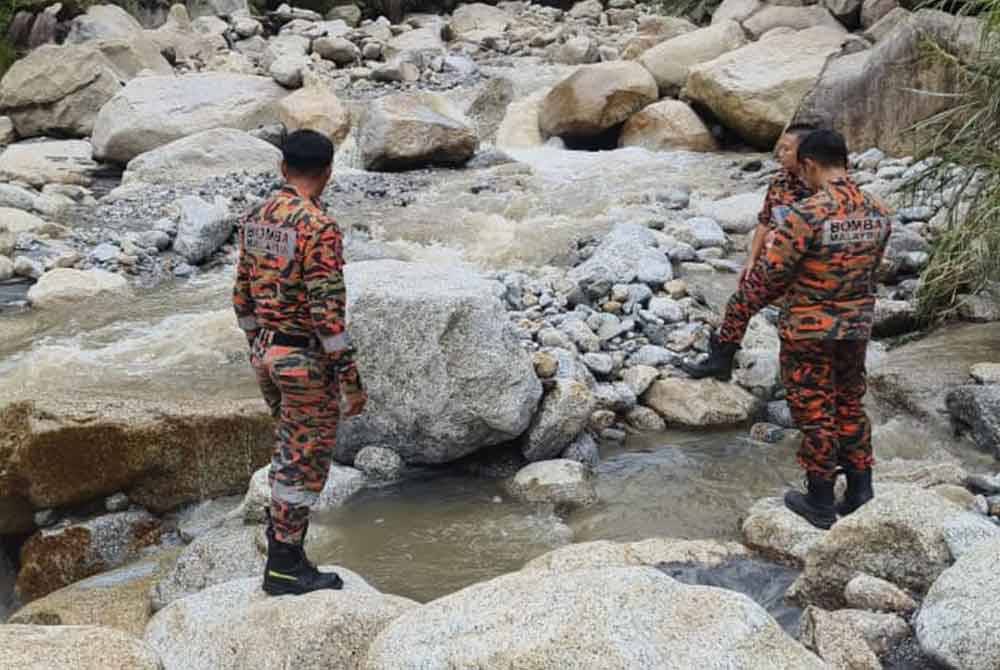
x: 819, y: 518
x: 275, y: 587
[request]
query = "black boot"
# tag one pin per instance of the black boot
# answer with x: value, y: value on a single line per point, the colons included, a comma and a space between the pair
x: 289, y: 572
x: 859, y: 490
x: 816, y: 506
x: 718, y: 364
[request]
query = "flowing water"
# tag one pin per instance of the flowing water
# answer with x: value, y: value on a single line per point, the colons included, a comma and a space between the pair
x: 441, y: 530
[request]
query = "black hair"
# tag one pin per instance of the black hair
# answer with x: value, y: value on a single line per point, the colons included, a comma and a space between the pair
x: 307, y: 153
x: 800, y: 130
x: 826, y: 147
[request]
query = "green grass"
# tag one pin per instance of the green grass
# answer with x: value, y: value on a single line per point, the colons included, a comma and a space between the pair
x: 966, y: 252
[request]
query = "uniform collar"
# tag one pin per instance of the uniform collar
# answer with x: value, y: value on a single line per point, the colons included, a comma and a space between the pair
x: 288, y: 191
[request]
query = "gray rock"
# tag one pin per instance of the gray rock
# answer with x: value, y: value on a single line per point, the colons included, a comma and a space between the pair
x: 46, y: 518
x: 216, y: 557
x: 703, y: 232
x: 646, y: 420
x: 105, y: 252
x: 599, y: 364
x: 637, y: 618
x: 917, y: 213
x: 871, y: 593
x: 894, y: 317
x: 628, y: 253
x: 836, y: 641
x: 977, y: 409
x: 667, y: 309
x: 27, y: 267
x: 561, y: 418
x: 870, y: 159
x: 485, y: 390
x: 736, y: 214
x: 566, y: 483
x: 959, y: 617
x: 202, y: 228
x: 583, y: 450
x: 650, y: 355
x: 340, y: 50
x: 119, y: 502
x: 77, y: 647
x: 979, y: 308
x: 379, y: 463
x: 581, y: 335
x: 779, y: 413
x: 342, y: 483
x: 617, y: 397
x: 199, y: 519
x: 289, y: 70
x: 775, y: 531
x: 966, y: 532
x: 235, y: 625
x: 639, y: 378
x: 17, y: 198
x: 699, y: 404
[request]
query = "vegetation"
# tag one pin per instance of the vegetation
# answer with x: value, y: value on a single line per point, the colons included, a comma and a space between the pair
x: 966, y: 254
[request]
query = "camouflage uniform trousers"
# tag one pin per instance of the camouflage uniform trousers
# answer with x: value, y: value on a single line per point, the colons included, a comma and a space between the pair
x: 303, y: 397
x: 825, y: 382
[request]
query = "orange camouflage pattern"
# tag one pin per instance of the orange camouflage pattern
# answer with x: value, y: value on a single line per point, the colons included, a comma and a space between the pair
x: 822, y: 260
x: 289, y: 280
x: 785, y: 189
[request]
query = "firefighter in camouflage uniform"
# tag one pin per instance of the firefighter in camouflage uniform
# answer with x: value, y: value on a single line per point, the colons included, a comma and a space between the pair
x: 291, y: 301
x: 822, y: 260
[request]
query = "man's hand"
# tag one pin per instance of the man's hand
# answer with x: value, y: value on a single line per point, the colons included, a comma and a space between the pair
x: 353, y: 397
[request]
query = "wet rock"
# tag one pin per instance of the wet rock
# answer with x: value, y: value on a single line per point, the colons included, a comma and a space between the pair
x: 959, y: 615
x: 119, y: 502
x: 219, y: 556
x: 486, y: 390
x: 640, y: 378
x: 119, y: 599
x: 65, y: 287
x: 583, y: 450
x: 778, y: 533
x: 342, y: 483
x: 757, y: 89
x: 59, y: 90
x: 899, y: 536
x: 235, y: 625
x: 596, y: 98
x: 560, y: 482
x: 88, y: 647
x: 670, y: 125
x: 639, y: 617
x: 135, y: 120
x: 519, y: 127
x: 645, y: 420
x: 698, y: 404
x: 211, y: 153
x: 49, y: 162
x: 412, y: 130
x: 850, y: 79
x: 871, y: 593
x: 669, y: 62
x: 628, y: 253
x: 885, y: 633
x: 379, y: 463
x: 894, y: 317
x: 986, y: 373
x: 202, y: 228
x: 561, y: 418
x: 977, y: 410
x: 736, y: 214
x: 102, y: 22
x: 52, y: 559
x: 651, y: 552
x: 836, y: 641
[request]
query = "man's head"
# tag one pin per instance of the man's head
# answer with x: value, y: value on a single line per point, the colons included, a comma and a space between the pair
x: 787, y: 148
x: 307, y: 161
x: 822, y: 156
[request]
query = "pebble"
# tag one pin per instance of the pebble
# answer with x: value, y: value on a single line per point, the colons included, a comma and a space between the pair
x: 119, y: 502
x: 46, y: 518
x: 986, y: 373
x: 602, y: 420
x: 27, y: 267
x: 600, y: 364
x: 767, y: 432
x: 183, y: 270
x: 613, y: 435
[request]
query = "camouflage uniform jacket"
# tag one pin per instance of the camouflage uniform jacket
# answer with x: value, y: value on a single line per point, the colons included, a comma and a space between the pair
x: 785, y: 190
x: 289, y: 278
x: 823, y: 258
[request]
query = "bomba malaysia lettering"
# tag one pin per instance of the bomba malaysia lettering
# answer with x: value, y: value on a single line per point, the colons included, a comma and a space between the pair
x: 853, y: 231
x: 265, y: 239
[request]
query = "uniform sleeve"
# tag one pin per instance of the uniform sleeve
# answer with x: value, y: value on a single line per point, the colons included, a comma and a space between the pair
x: 764, y: 217
x: 773, y: 274
x: 323, y: 273
x: 242, y: 298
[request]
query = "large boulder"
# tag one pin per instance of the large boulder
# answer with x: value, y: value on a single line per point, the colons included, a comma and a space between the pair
x: 596, y: 98
x: 561, y: 418
x: 342, y: 482
x: 218, y: 556
x: 900, y: 536
x: 958, y: 621
x: 669, y: 125
x: 59, y: 90
x: 757, y: 89
x: 210, y: 153
x: 794, y: 18
x: 628, y: 254
x: 736, y: 214
x: 118, y: 599
x: 875, y: 100
x: 519, y: 127
x: 473, y: 19
x: 49, y: 162
x: 455, y: 382
x: 64, y: 287
x: 976, y: 409
x: 103, y: 22
x: 699, y: 404
x: 59, y: 452
x: 56, y: 557
x: 229, y: 8
x: 614, y: 618
x: 236, y: 625
x: 315, y: 108
x: 670, y: 61
x: 136, y: 120
x: 404, y: 131
x: 416, y: 46
x: 559, y: 482
x: 651, y: 552
x: 202, y: 227
x: 74, y: 648
x: 779, y: 533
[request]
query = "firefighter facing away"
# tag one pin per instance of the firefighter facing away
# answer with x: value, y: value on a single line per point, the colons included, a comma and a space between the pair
x: 290, y: 300
x: 822, y: 260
